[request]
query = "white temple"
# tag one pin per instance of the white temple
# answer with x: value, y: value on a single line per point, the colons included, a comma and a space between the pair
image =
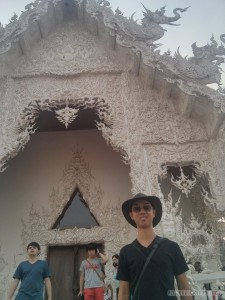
x: 91, y: 114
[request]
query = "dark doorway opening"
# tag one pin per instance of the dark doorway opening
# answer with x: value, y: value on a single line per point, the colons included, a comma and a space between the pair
x: 64, y: 263
x: 86, y: 119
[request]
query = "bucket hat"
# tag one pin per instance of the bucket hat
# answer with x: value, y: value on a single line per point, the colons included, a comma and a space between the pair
x: 155, y: 202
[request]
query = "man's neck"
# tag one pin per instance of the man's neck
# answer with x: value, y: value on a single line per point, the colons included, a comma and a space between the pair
x: 91, y: 257
x: 32, y: 259
x: 145, y: 236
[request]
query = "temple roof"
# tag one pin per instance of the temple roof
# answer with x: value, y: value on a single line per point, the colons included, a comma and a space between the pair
x: 182, y: 79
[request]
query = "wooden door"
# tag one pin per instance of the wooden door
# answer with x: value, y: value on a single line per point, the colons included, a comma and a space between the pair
x: 64, y: 264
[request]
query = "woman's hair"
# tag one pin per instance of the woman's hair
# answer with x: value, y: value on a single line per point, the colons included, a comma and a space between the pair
x: 91, y: 246
x: 116, y: 256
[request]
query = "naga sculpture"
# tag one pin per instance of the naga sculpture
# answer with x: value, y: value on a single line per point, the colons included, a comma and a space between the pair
x: 148, y: 31
x: 158, y: 16
x: 204, y: 65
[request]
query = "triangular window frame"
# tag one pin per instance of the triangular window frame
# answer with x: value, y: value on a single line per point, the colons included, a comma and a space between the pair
x: 68, y: 208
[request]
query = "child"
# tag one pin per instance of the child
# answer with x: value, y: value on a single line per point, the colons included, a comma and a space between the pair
x: 92, y: 275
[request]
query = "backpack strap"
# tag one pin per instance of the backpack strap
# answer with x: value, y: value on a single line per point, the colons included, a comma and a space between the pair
x: 95, y: 270
x: 155, y: 246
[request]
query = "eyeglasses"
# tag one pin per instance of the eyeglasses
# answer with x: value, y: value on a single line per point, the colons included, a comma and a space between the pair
x: 145, y: 207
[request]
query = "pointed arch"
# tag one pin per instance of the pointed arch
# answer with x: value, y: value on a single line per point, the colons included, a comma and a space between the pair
x: 27, y: 124
x: 76, y: 213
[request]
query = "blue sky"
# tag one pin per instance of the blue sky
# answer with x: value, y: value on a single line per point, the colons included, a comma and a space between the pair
x: 198, y: 23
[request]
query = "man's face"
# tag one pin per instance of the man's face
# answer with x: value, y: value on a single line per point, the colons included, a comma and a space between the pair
x: 142, y: 213
x: 198, y: 267
x: 33, y: 251
x: 115, y: 261
x: 92, y: 253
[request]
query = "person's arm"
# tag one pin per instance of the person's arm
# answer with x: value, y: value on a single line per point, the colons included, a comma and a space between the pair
x: 48, y: 288
x: 184, y: 287
x: 104, y: 258
x: 124, y: 290
x: 81, y: 292
x: 12, y: 288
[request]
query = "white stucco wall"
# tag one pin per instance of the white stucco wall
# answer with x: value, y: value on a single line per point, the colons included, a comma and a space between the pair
x: 146, y: 125
x: 32, y: 175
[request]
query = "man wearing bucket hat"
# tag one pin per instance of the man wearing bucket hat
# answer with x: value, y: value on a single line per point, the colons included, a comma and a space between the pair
x: 148, y: 266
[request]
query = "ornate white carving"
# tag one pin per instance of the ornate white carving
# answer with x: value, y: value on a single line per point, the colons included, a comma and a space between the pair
x: 161, y: 154
x: 59, y: 51
x: 77, y: 174
x: 208, y: 200
x: 221, y: 228
x: 221, y: 91
x: 3, y: 262
x: 128, y: 31
x: 140, y: 123
x: 23, y: 124
x: 5, y: 278
x: 41, y: 91
x: 69, y: 52
x: 195, y: 240
x: 222, y: 220
x: 66, y: 115
x: 204, y: 66
x: 152, y: 120
x: 183, y: 182
x: 151, y: 110
x: 4, y: 284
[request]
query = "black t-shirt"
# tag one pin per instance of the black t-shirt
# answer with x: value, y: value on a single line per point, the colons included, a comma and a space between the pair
x: 167, y: 262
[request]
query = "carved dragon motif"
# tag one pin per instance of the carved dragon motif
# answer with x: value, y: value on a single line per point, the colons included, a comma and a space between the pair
x: 204, y: 65
x: 158, y: 17
x: 211, y: 52
x: 148, y: 31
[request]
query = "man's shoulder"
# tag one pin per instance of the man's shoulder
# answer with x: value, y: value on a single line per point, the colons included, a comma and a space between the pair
x: 83, y: 261
x: 22, y: 263
x: 127, y: 247
x: 42, y: 262
x: 161, y: 240
x: 169, y: 242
